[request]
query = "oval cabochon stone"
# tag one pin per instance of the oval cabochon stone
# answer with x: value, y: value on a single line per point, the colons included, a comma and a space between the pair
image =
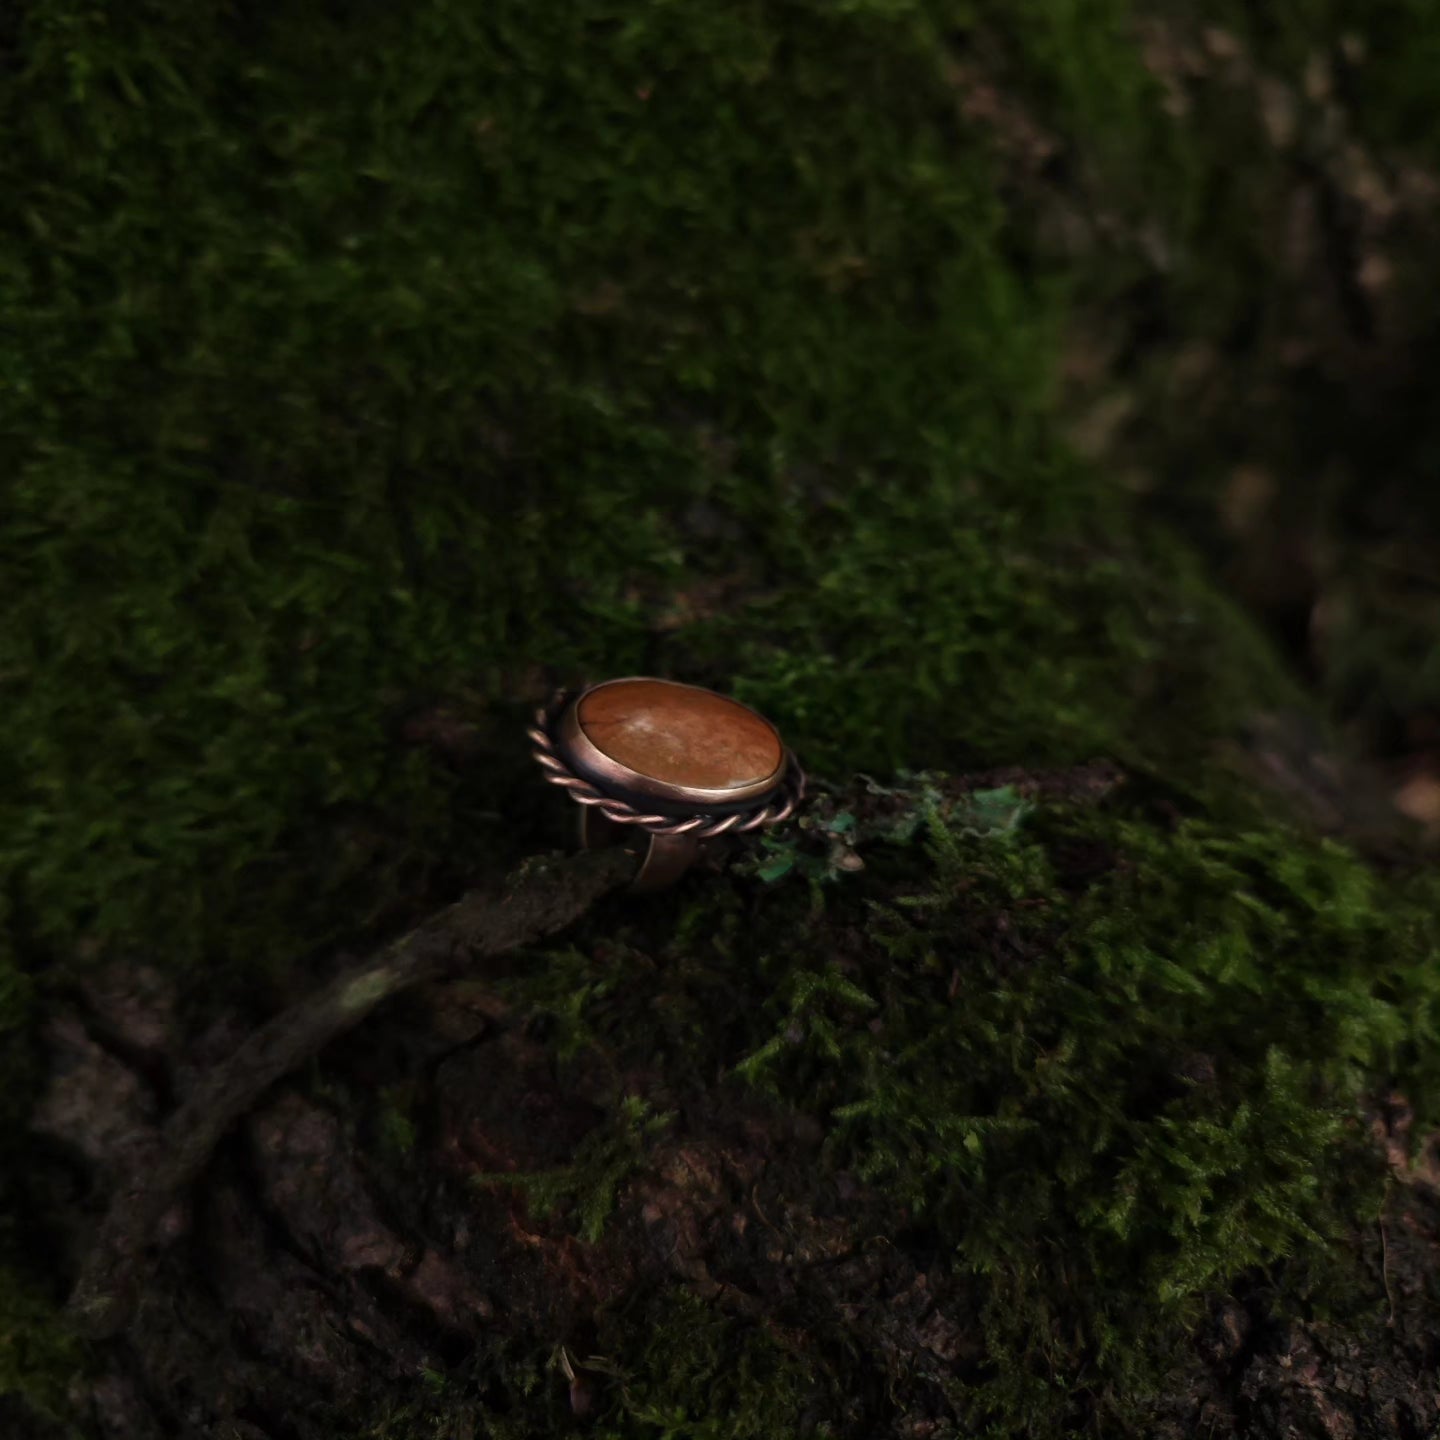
x: 680, y: 734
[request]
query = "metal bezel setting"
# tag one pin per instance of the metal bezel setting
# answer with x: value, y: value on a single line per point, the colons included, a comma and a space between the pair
x: 629, y: 798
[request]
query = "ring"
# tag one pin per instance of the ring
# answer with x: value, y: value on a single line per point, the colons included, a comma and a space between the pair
x: 674, y: 764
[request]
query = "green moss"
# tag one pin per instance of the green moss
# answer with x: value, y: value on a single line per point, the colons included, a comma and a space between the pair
x: 928, y: 627
x: 699, y: 1375
x: 603, y: 1161
x: 481, y: 1399
x: 386, y: 409
x: 277, y: 502
x: 356, y: 360
x: 689, y: 1374
x: 1147, y: 1086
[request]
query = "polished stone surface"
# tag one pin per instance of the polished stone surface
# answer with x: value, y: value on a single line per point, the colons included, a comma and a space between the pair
x: 680, y: 735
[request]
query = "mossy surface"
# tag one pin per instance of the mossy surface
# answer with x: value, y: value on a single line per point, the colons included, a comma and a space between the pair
x: 411, y: 390
x: 358, y: 361
x: 1104, y: 1065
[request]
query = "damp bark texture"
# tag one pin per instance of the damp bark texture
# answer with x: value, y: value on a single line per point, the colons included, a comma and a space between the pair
x: 342, y: 1227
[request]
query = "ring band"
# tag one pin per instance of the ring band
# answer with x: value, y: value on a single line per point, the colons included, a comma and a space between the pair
x: 675, y: 763
x: 664, y: 860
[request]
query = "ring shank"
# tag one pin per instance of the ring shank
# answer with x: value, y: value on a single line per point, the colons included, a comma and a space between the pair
x: 664, y: 860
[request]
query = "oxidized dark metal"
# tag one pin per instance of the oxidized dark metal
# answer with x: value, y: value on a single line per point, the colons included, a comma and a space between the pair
x: 676, y: 818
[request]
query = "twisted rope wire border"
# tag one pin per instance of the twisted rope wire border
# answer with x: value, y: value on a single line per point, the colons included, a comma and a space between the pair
x: 701, y: 827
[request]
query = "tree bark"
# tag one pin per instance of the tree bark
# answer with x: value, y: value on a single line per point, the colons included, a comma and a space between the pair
x: 273, y: 1265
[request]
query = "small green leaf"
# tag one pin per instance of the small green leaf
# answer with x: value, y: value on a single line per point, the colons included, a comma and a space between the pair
x: 992, y: 812
x: 774, y: 869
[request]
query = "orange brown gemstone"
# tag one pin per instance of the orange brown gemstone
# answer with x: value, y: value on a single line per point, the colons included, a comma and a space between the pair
x: 680, y: 734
